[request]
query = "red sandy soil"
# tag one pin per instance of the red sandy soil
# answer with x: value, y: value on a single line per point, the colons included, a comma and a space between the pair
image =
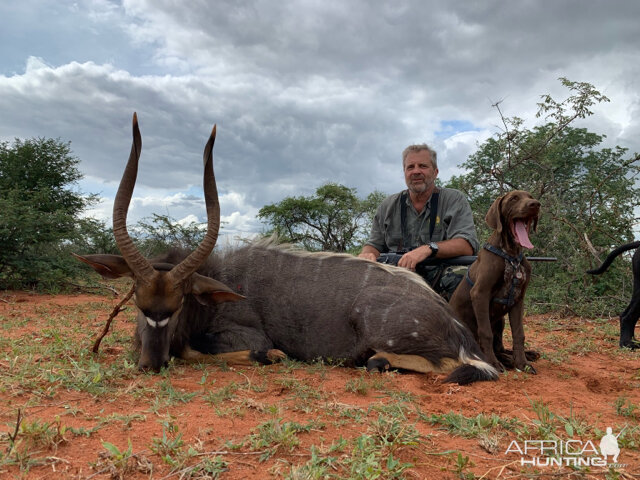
x: 583, y: 385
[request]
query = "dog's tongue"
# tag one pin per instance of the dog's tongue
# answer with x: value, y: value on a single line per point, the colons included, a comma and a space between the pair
x: 522, y: 234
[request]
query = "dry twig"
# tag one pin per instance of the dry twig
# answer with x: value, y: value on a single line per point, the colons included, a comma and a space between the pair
x: 12, y: 438
x: 118, y: 308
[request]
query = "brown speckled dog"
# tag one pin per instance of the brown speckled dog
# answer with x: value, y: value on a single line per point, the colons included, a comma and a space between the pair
x: 496, y: 282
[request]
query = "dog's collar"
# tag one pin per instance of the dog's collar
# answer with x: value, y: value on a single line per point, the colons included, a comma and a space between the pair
x: 515, y: 281
x: 515, y: 261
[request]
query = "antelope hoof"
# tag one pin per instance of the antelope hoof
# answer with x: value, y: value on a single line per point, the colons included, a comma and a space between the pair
x: 497, y: 364
x: 267, y: 357
x: 274, y: 355
x: 379, y: 364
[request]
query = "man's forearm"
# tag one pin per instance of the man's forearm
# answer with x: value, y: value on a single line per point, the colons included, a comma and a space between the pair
x: 454, y: 247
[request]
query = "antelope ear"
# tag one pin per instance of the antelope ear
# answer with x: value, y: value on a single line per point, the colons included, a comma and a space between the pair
x: 209, y: 291
x: 109, y: 266
x: 493, y: 215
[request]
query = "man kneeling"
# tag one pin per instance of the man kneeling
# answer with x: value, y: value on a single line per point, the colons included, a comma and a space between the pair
x: 425, y: 221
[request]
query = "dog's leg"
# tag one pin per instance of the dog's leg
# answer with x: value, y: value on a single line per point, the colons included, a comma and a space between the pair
x: 497, y: 326
x: 628, y: 320
x: 516, y: 315
x: 481, y: 300
x: 505, y: 355
x: 629, y: 317
x: 502, y: 354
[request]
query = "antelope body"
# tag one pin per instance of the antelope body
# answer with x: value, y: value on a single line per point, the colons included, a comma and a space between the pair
x: 332, y: 306
x: 305, y: 305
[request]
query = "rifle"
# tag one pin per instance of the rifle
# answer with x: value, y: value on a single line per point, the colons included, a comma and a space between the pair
x: 392, y: 258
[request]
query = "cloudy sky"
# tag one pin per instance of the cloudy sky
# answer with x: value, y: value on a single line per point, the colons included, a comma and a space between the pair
x: 302, y: 92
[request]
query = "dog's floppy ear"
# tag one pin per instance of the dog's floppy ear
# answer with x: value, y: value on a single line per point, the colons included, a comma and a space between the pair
x: 493, y: 215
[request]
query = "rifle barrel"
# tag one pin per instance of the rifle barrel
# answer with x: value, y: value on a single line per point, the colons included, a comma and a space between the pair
x: 469, y: 259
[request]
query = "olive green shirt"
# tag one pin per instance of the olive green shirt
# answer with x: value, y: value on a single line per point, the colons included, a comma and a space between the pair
x: 454, y: 220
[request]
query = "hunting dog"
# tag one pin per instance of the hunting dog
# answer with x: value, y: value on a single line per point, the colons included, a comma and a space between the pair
x: 629, y: 317
x: 497, y: 281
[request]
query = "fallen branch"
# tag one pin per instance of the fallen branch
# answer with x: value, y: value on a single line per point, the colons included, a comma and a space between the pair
x: 118, y: 308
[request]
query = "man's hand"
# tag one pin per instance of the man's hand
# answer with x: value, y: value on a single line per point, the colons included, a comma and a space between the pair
x: 369, y: 256
x: 414, y: 257
x: 369, y: 253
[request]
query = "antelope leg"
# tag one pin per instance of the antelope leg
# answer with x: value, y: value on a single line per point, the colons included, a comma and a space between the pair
x: 242, y: 357
x: 415, y: 363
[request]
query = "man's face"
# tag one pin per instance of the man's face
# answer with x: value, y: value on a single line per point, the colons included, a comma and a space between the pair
x: 419, y: 173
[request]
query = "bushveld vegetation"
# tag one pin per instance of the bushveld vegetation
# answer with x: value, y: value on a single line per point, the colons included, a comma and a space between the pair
x: 69, y: 413
x: 589, y: 198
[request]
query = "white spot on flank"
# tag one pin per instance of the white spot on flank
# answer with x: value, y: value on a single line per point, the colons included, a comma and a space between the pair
x: 415, y: 320
x: 366, y: 275
x: 390, y: 343
x: 414, y: 334
x: 317, y: 269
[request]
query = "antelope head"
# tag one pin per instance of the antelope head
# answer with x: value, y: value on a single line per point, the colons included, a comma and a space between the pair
x: 160, y: 289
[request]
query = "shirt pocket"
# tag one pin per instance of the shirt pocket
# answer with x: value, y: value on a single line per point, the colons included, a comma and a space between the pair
x: 438, y: 233
x: 394, y: 242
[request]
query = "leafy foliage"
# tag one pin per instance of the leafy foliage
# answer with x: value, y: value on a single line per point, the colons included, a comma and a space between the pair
x: 160, y: 232
x: 333, y: 219
x: 41, y: 221
x: 588, y: 197
x: 40, y: 211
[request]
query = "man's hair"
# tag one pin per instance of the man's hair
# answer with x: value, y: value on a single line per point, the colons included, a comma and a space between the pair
x: 420, y: 148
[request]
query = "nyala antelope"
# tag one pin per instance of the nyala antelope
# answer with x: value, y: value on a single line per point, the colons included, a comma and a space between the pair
x: 283, y: 301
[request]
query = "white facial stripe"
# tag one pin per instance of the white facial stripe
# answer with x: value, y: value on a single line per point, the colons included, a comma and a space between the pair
x: 160, y: 324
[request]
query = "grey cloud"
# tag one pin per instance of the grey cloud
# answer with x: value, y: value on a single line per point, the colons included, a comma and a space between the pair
x: 305, y: 92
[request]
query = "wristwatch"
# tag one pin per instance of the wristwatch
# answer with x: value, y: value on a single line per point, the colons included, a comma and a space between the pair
x: 434, y: 249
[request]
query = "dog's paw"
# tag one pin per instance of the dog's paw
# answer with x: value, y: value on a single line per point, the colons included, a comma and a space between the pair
x: 631, y: 343
x: 527, y: 368
x: 506, y: 359
x: 532, y: 355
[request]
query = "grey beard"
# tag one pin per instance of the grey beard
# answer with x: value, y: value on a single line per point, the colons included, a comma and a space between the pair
x: 418, y: 189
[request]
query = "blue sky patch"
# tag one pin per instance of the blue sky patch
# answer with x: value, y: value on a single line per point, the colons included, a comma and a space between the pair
x: 451, y: 127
